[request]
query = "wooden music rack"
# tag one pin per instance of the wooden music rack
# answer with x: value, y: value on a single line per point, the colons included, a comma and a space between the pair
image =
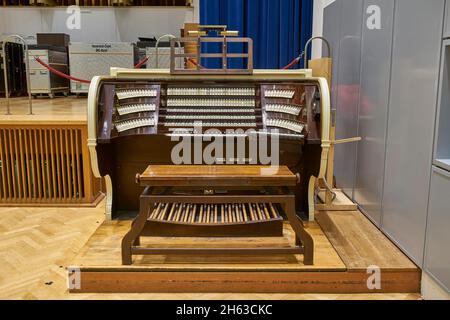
x: 201, y: 36
x: 255, y: 198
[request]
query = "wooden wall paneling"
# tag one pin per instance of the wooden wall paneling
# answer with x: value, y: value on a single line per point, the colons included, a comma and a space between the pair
x: 32, y: 164
x: 72, y: 166
x: 68, y: 166
x: 46, y: 165
x: 22, y: 163
x: 52, y: 163
x: 37, y: 165
x: 63, y: 167
x: 77, y: 150
x: 2, y: 163
x: 27, y: 163
x: 42, y: 165
x: 88, y: 179
x: 58, y: 166
x: 13, y: 163
x: 12, y: 166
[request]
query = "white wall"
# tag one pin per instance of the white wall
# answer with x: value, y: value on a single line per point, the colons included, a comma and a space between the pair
x: 99, y: 24
x: 319, y: 5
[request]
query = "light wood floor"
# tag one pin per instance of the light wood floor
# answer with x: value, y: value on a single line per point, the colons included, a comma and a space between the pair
x: 359, y: 243
x: 71, y: 109
x: 104, y: 250
x: 36, y: 244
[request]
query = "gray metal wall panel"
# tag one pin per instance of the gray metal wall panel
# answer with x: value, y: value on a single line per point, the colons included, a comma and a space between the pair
x: 447, y: 20
x: 331, y: 31
x: 442, y: 138
x: 412, y: 106
x: 374, y: 99
x: 437, y: 255
x: 348, y: 84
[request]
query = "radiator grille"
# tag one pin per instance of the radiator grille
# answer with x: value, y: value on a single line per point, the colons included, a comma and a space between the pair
x: 42, y: 165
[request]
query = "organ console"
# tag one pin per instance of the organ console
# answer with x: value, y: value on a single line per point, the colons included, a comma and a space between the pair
x: 201, y: 139
x: 136, y: 116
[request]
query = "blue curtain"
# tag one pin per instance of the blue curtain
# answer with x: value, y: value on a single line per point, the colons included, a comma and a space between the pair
x: 279, y: 29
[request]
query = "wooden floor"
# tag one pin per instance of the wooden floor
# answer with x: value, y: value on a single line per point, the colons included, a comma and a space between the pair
x: 340, y: 265
x: 360, y: 244
x: 59, y: 109
x: 37, y: 244
x: 102, y: 251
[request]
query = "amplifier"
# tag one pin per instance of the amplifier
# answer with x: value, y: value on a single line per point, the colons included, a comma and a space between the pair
x: 17, y: 84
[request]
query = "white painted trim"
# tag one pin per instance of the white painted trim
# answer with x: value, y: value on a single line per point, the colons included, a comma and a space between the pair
x: 317, y: 30
x: 91, y: 124
x: 318, y: 8
x: 326, y: 143
x: 109, y: 197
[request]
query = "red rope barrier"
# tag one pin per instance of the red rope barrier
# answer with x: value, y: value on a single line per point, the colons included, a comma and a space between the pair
x: 140, y: 63
x: 59, y: 73
x: 137, y: 66
x: 195, y: 63
x: 53, y: 70
x: 293, y: 63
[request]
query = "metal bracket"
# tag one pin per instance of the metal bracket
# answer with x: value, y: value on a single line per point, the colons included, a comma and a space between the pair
x: 310, y: 41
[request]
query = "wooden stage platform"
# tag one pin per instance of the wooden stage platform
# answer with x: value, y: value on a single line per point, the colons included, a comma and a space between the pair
x: 346, y: 244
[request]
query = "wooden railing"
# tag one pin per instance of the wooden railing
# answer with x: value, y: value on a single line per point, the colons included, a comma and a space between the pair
x: 47, y: 165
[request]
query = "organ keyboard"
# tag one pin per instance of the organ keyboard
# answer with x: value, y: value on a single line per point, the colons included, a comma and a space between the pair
x: 135, y: 114
x: 135, y: 94
x: 261, y: 107
x: 135, y: 108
